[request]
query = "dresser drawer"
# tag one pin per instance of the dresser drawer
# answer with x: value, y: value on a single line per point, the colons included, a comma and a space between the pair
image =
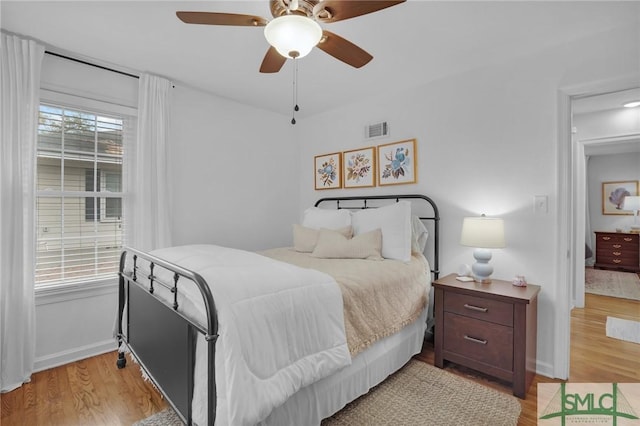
x: 608, y: 259
x: 488, y: 343
x: 609, y: 239
x: 617, y: 247
x: 480, y: 308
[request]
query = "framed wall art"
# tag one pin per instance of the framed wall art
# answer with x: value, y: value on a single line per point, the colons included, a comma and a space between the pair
x: 613, y: 194
x: 397, y: 163
x: 359, y: 168
x: 327, y: 171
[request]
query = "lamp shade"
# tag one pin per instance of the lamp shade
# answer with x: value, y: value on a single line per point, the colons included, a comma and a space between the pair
x: 484, y: 232
x: 293, y: 36
x: 631, y: 202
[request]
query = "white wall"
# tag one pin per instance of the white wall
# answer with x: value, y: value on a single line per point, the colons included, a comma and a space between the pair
x: 607, y: 124
x: 487, y: 143
x: 233, y: 173
x: 609, y: 168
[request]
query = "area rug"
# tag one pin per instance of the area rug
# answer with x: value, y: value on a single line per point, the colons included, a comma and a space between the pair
x: 625, y: 285
x: 623, y: 329
x: 418, y: 394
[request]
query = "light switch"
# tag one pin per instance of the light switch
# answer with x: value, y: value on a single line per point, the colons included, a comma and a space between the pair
x: 540, y: 204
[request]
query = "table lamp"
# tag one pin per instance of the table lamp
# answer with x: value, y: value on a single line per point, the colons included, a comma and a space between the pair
x: 482, y: 233
x: 632, y: 202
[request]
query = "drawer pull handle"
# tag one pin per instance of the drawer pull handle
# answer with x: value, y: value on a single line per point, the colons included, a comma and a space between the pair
x: 474, y: 340
x: 627, y: 239
x: 606, y: 238
x: 617, y: 260
x: 616, y: 253
x: 475, y: 308
x: 617, y: 246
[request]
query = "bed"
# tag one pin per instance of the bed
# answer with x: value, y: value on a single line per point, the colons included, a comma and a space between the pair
x: 282, y: 336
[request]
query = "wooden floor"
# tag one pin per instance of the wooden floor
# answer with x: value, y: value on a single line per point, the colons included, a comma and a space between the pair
x: 95, y: 392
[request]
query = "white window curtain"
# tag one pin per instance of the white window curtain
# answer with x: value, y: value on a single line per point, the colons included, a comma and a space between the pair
x: 20, y: 85
x: 145, y: 168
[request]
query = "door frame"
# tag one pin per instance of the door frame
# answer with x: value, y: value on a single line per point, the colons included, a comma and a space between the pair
x: 568, y: 234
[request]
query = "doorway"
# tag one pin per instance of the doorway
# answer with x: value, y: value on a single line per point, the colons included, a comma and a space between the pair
x: 603, y: 131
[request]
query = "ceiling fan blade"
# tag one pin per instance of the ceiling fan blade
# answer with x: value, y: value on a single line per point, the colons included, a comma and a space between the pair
x: 214, y: 18
x: 272, y: 61
x: 339, y: 10
x: 343, y: 50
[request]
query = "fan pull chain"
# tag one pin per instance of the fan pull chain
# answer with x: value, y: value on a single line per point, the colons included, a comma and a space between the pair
x: 295, y: 90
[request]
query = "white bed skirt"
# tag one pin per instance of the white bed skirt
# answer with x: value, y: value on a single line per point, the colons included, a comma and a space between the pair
x: 328, y: 396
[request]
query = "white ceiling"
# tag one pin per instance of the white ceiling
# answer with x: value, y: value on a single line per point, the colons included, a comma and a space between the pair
x: 412, y: 43
x: 607, y: 101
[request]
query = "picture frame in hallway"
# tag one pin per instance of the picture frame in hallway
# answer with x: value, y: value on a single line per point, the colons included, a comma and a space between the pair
x: 613, y: 194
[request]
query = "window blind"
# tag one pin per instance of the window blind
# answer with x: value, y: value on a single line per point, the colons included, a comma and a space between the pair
x: 79, y: 195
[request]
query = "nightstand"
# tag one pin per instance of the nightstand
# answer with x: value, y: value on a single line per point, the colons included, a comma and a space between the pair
x: 491, y: 328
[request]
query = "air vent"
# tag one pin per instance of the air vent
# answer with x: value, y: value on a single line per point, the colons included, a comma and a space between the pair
x: 377, y: 130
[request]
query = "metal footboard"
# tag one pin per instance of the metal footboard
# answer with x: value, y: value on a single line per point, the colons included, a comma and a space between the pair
x: 158, y: 335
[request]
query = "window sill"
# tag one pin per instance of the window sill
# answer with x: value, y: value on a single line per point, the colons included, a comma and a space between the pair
x: 78, y: 290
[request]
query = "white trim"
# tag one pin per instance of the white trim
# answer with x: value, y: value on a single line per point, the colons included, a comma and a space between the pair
x: 53, y: 94
x: 544, y: 369
x: 562, y: 335
x: 567, y: 241
x: 75, y: 354
x: 63, y: 292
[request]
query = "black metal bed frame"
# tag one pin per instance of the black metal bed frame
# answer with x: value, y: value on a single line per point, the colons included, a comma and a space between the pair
x: 156, y: 330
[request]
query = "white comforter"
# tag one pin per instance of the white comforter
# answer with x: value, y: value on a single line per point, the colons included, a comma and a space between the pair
x: 281, y: 328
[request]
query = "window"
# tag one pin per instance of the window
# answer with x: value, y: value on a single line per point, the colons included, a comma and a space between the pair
x: 79, y: 218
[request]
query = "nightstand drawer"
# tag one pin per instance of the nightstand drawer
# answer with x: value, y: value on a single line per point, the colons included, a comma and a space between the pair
x: 488, y: 343
x: 479, y: 307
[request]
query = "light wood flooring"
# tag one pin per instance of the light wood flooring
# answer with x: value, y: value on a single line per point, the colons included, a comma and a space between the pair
x: 95, y: 392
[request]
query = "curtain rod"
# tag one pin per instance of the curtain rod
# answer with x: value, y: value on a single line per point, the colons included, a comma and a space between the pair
x: 90, y: 64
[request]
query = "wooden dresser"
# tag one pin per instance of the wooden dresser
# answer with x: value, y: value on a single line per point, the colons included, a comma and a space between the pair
x: 491, y: 328
x: 618, y: 250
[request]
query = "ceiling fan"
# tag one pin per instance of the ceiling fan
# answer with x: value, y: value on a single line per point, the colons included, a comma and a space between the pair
x: 295, y: 29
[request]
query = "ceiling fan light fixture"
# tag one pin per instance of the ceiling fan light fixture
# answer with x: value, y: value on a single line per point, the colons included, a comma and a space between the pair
x: 293, y: 36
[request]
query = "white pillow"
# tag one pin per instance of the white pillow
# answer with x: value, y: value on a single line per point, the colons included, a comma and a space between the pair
x: 419, y: 235
x: 305, y: 239
x: 334, y: 245
x: 395, y: 222
x: 316, y: 218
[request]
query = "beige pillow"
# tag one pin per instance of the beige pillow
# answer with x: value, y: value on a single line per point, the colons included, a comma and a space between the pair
x: 333, y: 245
x: 305, y: 239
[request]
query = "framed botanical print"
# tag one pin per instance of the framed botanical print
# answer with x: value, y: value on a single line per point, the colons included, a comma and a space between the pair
x: 327, y: 171
x: 397, y: 163
x: 613, y: 194
x: 359, y: 168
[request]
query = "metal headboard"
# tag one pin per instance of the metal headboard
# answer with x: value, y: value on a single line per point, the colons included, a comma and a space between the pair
x: 362, y: 202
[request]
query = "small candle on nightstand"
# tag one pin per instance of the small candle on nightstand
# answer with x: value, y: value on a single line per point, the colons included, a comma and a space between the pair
x: 519, y: 281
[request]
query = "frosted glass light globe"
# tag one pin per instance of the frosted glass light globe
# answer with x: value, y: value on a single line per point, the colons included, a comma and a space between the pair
x: 293, y: 36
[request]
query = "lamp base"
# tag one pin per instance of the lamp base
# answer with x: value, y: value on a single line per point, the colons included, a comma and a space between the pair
x: 481, y: 270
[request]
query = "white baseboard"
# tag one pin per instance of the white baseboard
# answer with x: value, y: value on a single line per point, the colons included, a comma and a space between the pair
x: 74, y: 354
x: 544, y: 369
